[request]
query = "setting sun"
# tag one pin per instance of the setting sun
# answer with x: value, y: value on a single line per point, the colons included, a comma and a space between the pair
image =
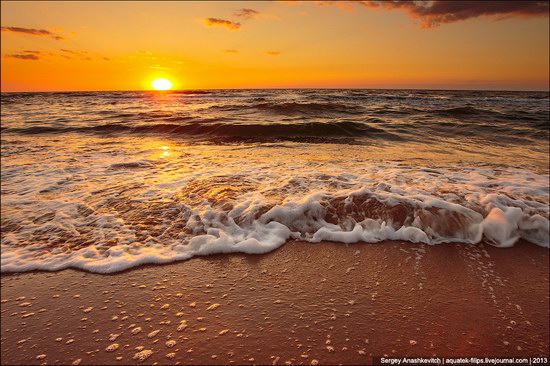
x: 161, y: 84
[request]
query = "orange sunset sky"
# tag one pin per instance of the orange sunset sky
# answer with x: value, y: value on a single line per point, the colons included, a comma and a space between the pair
x: 57, y: 46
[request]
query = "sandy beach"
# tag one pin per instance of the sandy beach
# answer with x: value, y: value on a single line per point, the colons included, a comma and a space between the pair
x: 304, y: 303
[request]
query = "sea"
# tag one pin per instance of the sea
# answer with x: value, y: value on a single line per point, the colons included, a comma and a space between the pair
x: 106, y: 181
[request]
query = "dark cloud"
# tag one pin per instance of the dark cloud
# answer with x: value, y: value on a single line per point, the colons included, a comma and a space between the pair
x: 222, y: 23
x: 231, y: 51
x: 33, y: 32
x: 246, y: 13
x: 23, y: 56
x: 273, y: 53
x: 437, y: 12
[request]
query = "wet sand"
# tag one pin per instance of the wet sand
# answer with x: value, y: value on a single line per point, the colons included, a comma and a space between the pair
x: 305, y: 303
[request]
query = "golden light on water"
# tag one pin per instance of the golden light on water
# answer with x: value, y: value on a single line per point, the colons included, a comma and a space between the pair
x: 161, y: 84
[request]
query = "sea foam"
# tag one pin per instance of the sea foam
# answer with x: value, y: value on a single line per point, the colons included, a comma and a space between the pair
x: 422, y: 205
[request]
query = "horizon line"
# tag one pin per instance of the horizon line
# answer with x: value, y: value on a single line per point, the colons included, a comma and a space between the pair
x: 280, y: 88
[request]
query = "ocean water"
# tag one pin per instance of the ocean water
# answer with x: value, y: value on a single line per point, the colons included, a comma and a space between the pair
x: 105, y: 181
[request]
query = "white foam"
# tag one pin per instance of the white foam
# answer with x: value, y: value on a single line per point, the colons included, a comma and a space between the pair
x: 203, y: 206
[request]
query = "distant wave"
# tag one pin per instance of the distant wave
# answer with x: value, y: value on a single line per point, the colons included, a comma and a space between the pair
x: 291, y: 108
x: 297, y: 115
x: 463, y: 111
x: 245, y: 131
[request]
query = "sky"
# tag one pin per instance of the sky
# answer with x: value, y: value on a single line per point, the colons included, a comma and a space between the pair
x: 77, y: 46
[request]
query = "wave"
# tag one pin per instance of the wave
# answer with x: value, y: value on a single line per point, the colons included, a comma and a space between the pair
x: 274, y: 130
x: 290, y: 108
x: 360, y: 216
x: 231, y: 213
x: 463, y: 111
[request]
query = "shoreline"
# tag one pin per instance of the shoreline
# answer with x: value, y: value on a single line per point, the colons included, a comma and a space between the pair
x: 332, y: 304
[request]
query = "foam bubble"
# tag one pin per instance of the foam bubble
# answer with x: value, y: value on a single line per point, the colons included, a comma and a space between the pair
x: 142, y: 355
x: 113, y: 347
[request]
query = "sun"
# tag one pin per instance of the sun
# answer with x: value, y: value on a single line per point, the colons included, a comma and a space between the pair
x: 161, y: 84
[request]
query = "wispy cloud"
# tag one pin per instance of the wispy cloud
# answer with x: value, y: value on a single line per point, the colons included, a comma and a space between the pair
x: 231, y: 51
x: 246, y: 13
x: 158, y: 67
x: 212, y: 22
x: 434, y: 13
x: 25, y: 55
x: 65, y: 53
x: 273, y: 53
x: 81, y: 55
x: 32, y: 32
x: 70, y: 51
x: 342, y: 5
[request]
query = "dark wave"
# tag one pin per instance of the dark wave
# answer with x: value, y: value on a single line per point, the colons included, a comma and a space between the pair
x: 292, y: 108
x: 463, y: 111
x: 311, y: 129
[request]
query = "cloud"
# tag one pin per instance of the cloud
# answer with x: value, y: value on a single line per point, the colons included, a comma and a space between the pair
x: 437, y: 12
x: 231, y: 51
x: 33, y: 32
x: 81, y: 55
x: 158, y: 67
x: 342, y: 5
x: 246, y: 13
x: 273, y: 53
x: 222, y: 23
x: 70, y: 51
x: 24, y: 56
